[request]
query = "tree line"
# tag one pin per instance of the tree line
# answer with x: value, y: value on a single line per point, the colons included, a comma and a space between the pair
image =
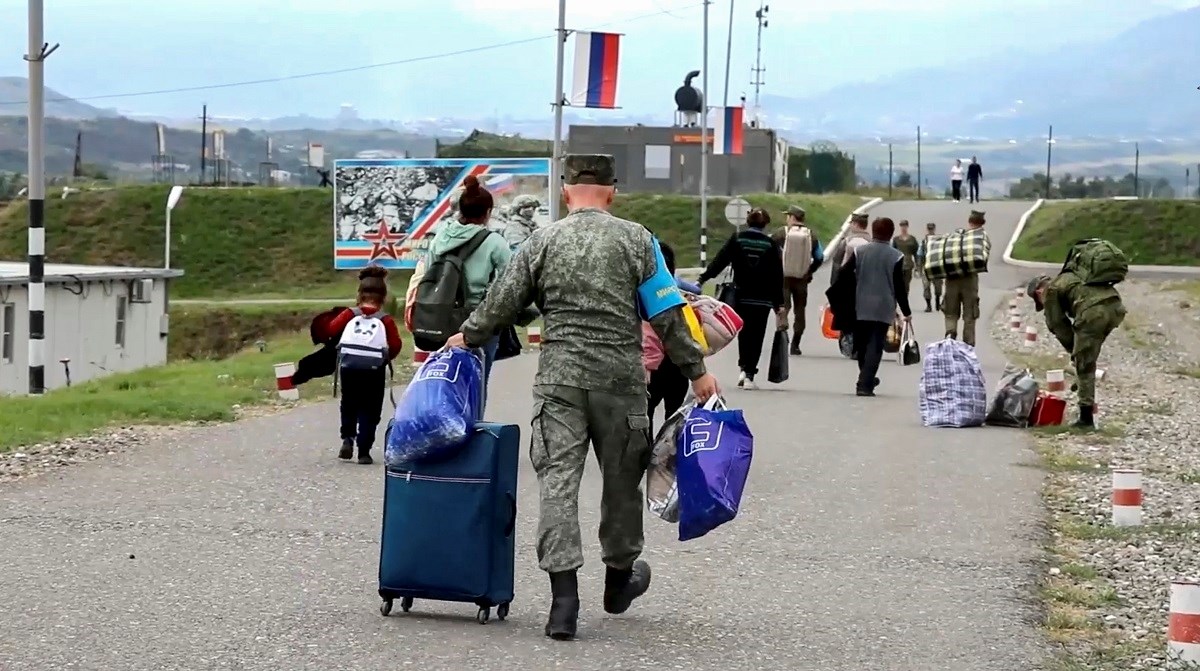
x: 1073, y: 186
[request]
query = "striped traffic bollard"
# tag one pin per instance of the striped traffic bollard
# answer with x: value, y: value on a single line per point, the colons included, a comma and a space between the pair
x: 1183, y: 629
x: 534, y: 334
x: 420, y: 355
x: 1127, y: 497
x: 1056, y: 381
x: 1013, y: 305
x: 283, y: 381
x: 1014, y: 323
x: 1030, y: 336
x: 1019, y: 292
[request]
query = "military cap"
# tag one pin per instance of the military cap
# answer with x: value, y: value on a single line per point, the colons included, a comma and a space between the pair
x: 859, y: 217
x: 930, y: 226
x: 795, y: 211
x: 599, y: 169
x: 1031, y: 290
x: 976, y: 215
x: 903, y: 223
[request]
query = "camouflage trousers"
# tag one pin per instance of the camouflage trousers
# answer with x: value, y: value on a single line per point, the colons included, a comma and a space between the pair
x: 927, y: 283
x: 1091, y: 330
x: 565, y: 421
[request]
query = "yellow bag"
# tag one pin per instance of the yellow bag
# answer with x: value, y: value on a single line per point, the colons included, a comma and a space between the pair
x: 693, y: 323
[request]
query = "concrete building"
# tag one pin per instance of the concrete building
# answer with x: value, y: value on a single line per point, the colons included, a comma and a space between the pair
x: 666, y: 159
x: 102, y: 319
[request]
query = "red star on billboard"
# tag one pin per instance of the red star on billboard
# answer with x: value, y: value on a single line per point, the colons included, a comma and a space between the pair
x: 383, y: 242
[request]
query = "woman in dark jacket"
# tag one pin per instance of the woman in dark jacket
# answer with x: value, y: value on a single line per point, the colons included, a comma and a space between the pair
x: 757, y: 263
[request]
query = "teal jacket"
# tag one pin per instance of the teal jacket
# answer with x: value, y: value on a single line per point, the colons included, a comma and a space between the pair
x: 487, y: 263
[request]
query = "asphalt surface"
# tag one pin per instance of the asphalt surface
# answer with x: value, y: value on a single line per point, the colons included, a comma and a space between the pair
x: 865, y: 542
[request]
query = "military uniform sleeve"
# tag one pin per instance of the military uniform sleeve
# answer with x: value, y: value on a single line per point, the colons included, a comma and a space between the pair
x: 508, y: 295
x: 1056, y: 317
x: 671, y: 327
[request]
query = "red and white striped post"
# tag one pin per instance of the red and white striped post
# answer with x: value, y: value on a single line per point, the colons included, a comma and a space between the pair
x: 1014, y: 323
x: 283, y: 381
x: 1127, y: 497
x: 419, y: 355
x: 534, y: 334
x: 1056, y: 381
x: 1030, y: 336
x: 1183, y: 629
x: 1013, y: 305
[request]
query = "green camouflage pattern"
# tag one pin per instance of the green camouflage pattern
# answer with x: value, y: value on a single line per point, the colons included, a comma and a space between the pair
x: 908, y: 245
x: 1081, y: 317
x: 962, y: 300
x: 582, y: 272
x: 598, y: 169
x: 565, y: 420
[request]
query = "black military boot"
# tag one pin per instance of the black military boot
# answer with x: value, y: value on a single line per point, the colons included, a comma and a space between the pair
x: 364, y: 457
x: 1087, y: 419
x: 928, y: 306
x: 622, y: 587
x: 795, y: 350
x: 347, y: 451
x: 564, y: 606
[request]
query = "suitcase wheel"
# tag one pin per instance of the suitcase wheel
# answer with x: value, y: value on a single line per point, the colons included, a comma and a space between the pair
x: 406, y: 604
x: 483, y: 615
x: 385, y: 608
x: 502, y: 611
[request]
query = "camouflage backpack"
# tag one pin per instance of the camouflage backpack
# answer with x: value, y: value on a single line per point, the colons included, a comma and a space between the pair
x: 1096, y: 261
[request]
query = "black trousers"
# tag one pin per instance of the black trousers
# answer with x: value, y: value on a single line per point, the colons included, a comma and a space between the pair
x: 869, y: 338
x: 973, y: 190
x: 750, y: 340
x: 956, y: 188
x: 362, y: 405
x: 667, y: 386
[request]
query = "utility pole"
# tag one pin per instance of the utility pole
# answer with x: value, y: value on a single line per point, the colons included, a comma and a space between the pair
x: 1137, y: 160
x: 918, y: 163
x: 758, y: 82
x: 203, y: 145
x: 559, y: 101
x: 704, y: 145
x: 1049, y: 153
x: 889, y: 170
x: 39, y: 50
x: 728, y: 54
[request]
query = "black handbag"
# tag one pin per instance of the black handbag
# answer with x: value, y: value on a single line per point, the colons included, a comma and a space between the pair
x: 727, y: 294
x: 777, y: 371
x: 509, y: 344
x: 910, y: 349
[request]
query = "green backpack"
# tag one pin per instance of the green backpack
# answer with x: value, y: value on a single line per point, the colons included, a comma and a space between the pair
x: 1096, y: 261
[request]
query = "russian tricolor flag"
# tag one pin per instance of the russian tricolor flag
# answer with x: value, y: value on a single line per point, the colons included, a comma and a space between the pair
x: 596, y: 70
x: 728, y: 131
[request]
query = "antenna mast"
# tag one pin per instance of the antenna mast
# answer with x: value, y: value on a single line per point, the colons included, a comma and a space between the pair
x: 758, y: 69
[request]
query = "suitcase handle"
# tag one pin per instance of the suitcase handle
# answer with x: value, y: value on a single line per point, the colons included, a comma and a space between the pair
x: 512, y: 520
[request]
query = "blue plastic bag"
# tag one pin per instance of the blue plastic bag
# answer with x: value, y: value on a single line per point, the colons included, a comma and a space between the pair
x: 439, y: 408
x: 715, y: 449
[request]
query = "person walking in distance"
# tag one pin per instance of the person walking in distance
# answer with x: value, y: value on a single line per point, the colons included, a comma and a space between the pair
x: 879, y: 273
x: 594, y: 278
x: 802, y: 256
x: 962, y: 296
x: 974, y: 174
x: 907, y: 244
x: 758, y: 287
x: 956, y: 180
x: 926, y: 282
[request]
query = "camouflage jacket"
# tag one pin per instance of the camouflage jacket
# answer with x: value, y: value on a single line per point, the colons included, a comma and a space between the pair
x: 583, y: 272
x: 1068, y: 299
x: 517, y: 230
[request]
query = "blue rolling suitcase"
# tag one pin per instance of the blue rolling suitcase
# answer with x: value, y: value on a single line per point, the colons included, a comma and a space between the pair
x: 449, y: 526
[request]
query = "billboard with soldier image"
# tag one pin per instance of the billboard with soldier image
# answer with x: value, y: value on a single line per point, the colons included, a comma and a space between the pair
x: 386, y: 211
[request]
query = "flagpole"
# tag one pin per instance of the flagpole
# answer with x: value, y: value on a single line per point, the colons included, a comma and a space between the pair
x: 704, y: 146
x: 728, y: 54
x: 556, y: 160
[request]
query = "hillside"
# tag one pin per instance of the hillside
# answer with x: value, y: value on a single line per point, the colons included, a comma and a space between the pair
x: 1129, y: 84
x: 14, y: 94
x: 256, y: 241
x: 1150, y: 232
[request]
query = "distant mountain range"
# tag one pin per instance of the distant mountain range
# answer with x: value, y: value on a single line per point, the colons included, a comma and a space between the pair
x: 15, y: 90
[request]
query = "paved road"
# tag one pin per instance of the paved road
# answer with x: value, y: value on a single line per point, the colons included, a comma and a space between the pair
x: 865, y: 542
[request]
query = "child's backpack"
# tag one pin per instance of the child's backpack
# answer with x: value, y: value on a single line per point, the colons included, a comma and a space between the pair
x: 1097, y: 261
x: 797, y: 251
x: 440, y: 304
x: 363, y: 345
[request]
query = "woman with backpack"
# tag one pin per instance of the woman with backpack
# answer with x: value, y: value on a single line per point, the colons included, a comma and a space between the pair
x: 367, y: 342
x: 484, y: 255
x: 757, y: 264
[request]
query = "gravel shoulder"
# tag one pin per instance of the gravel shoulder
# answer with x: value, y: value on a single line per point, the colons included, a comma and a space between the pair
x: 1105, y: 589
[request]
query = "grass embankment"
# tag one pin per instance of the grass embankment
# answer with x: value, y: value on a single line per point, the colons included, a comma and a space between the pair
x: 217, y: 331
x: 1150, y: 232
x: 260, y: 242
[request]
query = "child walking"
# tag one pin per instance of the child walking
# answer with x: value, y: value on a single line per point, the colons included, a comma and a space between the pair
x: 367, y: 342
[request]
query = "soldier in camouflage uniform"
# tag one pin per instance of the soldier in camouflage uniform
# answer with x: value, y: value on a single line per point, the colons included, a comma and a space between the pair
x: 962, y: 295
x: 932, y: 301
x: 1080, y: 316
x: 583, y: 272
x: 520, y: 223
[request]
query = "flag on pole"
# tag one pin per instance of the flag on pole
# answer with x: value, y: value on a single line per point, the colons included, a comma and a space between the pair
x: 728, y: 131
x: 595, y: 70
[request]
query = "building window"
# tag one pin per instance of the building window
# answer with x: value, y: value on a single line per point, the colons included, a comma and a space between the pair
x: 122, y: 313
x: 658, y: 161
x: 7, y: 340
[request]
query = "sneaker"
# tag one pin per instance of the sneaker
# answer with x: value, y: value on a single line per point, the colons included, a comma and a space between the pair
x: 749, y: 384
x: 741, y: 383
x: 365, y: 459
x: 347, y: 451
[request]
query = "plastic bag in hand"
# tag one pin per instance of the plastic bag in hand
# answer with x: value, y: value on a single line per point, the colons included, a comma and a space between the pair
x: 439, y: 408
x: 662, y: 495
x: 713, y: 462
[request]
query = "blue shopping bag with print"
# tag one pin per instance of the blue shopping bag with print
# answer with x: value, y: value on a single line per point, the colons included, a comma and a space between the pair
x: 439, y: 408
x: 715, y: 450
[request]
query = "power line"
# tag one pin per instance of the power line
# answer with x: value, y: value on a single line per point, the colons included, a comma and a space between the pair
x: 357, y: 68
